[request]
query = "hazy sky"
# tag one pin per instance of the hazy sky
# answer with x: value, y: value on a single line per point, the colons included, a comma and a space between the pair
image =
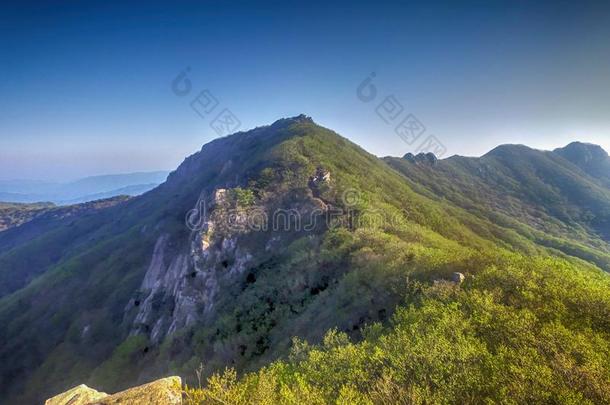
x: 86, y: 87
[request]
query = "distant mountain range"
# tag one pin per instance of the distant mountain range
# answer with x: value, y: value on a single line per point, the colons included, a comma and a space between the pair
x: 321, y: 274
x: 563, y: 194
x: 82, y: 190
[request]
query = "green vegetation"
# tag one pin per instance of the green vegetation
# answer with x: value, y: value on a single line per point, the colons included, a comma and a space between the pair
x: 242, y: 197
x: 539, y: 195
x: 513, y: 334
x: 357, y: 310
x: 521, y: 329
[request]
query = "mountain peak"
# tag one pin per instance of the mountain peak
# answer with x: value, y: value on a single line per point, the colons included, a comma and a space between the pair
x: 591, y: 158
x: 301, y: 118
x: 429, y: 158
x: 229, y: 156
x: 508, y: 150
x: 582, y: 152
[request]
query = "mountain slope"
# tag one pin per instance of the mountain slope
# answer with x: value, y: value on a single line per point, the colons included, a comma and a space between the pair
x: 538, y: 194
x: 592, y: 159
x: 115, y: 247
x: 30, y: 248
x: 291, y: 230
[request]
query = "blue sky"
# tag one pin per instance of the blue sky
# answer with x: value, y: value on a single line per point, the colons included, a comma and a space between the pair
x: 86, y: 87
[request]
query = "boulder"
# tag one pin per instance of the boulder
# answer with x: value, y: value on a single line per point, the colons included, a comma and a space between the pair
x: 80, y: 395
x: 167, y: 391
x: 457, y: 277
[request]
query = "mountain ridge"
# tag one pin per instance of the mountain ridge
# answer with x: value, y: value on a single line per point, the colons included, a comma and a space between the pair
x: 154, y: 284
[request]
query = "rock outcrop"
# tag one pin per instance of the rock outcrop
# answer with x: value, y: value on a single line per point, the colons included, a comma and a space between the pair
x: 167, y: 391
x: 425, y: 158
x: 457, y: 277
x: 80, y: 395
x: 180, y: 286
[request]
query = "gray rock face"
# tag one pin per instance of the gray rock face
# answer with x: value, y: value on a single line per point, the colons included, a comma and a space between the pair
x: 176, y: 292
x: 182, y: 283
x: 179, y: 288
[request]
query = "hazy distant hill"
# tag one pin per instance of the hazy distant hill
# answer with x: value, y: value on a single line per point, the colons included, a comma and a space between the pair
x: 82, y: 190
x: 203, y: 270
x: 133, y: 190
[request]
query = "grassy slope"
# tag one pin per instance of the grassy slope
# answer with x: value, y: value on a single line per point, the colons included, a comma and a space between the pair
x: 28, y: 250
x: 345, y: 278
x: 524, y: 328
x: 537, y: 194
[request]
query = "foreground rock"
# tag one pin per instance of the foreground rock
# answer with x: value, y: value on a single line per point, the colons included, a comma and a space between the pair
x: 80, y: 395
x: 167, y: 391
